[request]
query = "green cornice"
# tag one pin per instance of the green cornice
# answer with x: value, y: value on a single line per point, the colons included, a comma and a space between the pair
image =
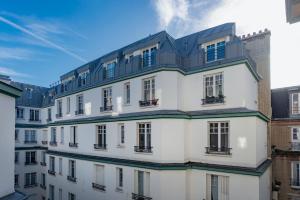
x: 18, y: 125
x: 167, y: 166
x: 169, y: 68
x: 10, y: 90
x: 31, y: 148
x: 160, y: 116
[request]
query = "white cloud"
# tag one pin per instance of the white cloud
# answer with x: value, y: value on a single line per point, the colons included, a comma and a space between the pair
x: 249, y: 16
x: 13, y: 73
x: 15, y: 54
x: 40, y: 38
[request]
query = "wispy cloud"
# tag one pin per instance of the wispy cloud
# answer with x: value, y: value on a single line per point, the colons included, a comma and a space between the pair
x: 7, y: 53
x: 40, y: 38
x: 10, y: 72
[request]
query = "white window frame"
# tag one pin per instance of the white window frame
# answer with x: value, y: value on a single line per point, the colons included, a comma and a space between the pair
x: 213, y: 85
x: 295, y: 105
x: 145, y: 132
x: 60, y: 166
x: 107, y: 95
x: 72, y: 168
x: 53, y: 136
x: 298, y: 134
x: 121, y: 134
x: 73, y: 134
x: 222, y: 185
x: 145, y: 184
x: 297, y: 163
x: 119, y: 178
x: 62, y: 135
x: 52, y: 163
x: 100, y: 174
x: 101, y: 132
x: 219, y: 133
x: 79, y: 102
x: 68, y: 105
x: 19, y: 113
x: 150, y: 86
x: 59, y: 107
x: 60, y: 194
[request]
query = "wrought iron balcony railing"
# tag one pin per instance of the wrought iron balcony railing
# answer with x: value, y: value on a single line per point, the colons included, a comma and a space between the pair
x: 72, y: 144
x: 98, y: 186
x: 72, y: 178
x: 216, y: 150
x: 143, y: 149
x: 106, y: 108
x: 43, y: 163
x: 152, y: 102
x: 30, y: 142
x: 44, y: 142
x: 100, y: 146
x: 51, y: 172
x: 79, y: 112
x: 53, y: 143
x: 213, y: 100
x: 140, y: 197
x: 31, y: 163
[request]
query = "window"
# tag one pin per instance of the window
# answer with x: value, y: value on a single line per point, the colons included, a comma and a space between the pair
x: 43, y: 179
x: 62, y: 135
x: 99, y: 178
x: 53, y: 136
x: 141, y: 184
x: 295, y: 104
x: 72, y: 169
x: 59, y: 108
x: 45, y: 136
x: 49, y: 115
x: 149, y: 57
x: 82, y: 78
x: 109, y: 70
x: 127, y: 93
x: 60, y: 168
x: 119, y: 178
x: 51, y: 164
x: 30, y: 136
x: 144, y: 138
x: 68, y: 105
x: 295, y: 139
x: 79, y: 104
x: 73, y: 136
x: 30, y: 158
x: 34, y: 115
x: 217, y: 187
x: 29, y: 92
x: 121, y: 134
x: 16, y: 157
x: 213, y: 91
x: 215, y: 51
x: 20, y: 113
x: 30, y: 179
x: 107, y: 99
x: 100, y: 137
x: 71, y: 196
x: 218, y: 137
x: 17, y: 131
x: 148, y: 89
x: 51, y: 192
x: 16, y: 180
x: 60, y: 194
x: 44, y: 157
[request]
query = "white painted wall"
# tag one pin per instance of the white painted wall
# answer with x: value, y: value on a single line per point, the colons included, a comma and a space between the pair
x: 7, y: 124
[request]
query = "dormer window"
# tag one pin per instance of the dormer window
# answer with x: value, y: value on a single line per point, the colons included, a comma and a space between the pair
x: 29, y: 93
x: 215, y: 51
x: 82, y: 78
x: 149, y: 57
x: 109, y: 70
x: 295, y: 103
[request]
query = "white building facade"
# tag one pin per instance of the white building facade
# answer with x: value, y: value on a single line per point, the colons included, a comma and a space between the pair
x: 158, y: 132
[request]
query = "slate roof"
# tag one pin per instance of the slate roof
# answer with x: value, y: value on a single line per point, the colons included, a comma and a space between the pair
x: 15, y: 196
x: 183, y: 53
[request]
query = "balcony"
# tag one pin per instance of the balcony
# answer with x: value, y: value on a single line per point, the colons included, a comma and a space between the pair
x: 143, y: 149
x: 106, y: 108
x: 295, y: 183
x: 44, y: 142
x: 51, y: 172
x: 216, y: 150
x: 72, y: 179
x: 53, y: 143
x: 43, y: 163
x: 30, y: 185
x: 100, y: 146
x: 98, y: 186
x: 43, y: 186
x: 79, y: 112
x: 30, y: 142
x: 59, y: 115
x: 31, y: 163
x: 145, y: 103
x: 72, y: 144
x: 295, y: 146
x: 213, y: 100
x: 140, y: 197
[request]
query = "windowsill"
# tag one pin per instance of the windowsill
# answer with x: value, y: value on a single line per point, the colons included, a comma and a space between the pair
x: 219, y: 154
x: 145, y: 153
x: 78, y: 115
x: 150, y: 106
x: 212, y: 104
x: 125, y: 104
x: 101, y: 149
x: 295, y: 187
x: 106, y: 111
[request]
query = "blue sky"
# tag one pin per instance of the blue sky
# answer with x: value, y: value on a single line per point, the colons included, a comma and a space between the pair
x: 41, y: 40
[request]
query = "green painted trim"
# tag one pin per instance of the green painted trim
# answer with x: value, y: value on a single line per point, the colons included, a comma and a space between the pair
x: 10, y: 90
x: 31, y: 148
x: 163, y: 116
x: 167, y: 166
x: 176, y: 69
x: 31, y: 125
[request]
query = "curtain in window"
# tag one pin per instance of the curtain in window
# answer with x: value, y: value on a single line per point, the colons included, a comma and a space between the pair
x: 223, y: 185
x: 100, y: 174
